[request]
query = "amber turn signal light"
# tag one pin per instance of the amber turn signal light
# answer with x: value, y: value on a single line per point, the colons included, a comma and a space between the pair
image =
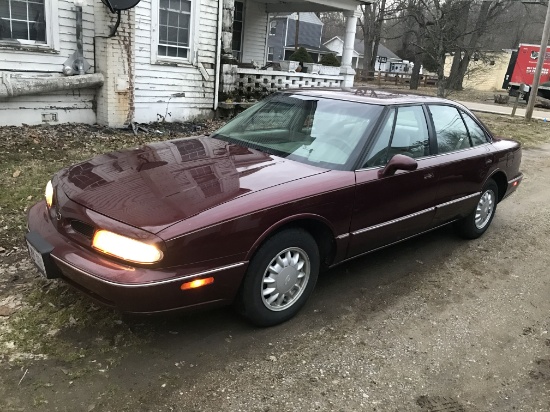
x: 197, y: 283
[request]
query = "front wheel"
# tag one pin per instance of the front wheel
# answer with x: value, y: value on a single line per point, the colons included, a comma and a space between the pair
x: 280, y: 278
x: 476, y: 223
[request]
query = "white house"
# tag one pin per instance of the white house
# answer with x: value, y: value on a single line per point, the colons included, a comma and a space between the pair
x: 169, y: 59
x: 386, y: 60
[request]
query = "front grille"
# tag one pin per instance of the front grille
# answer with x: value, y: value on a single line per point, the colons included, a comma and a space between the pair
x: 83, y: 228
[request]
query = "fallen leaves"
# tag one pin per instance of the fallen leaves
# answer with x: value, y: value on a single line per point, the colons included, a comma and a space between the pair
x: 6, y: 311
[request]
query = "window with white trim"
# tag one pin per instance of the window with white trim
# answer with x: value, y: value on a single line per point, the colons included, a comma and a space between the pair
x: 23, y: 21
x: 174, y: 38
x: 270, y: 53
x: 238, y: 25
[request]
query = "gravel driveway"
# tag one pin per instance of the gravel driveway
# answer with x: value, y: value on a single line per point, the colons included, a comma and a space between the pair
x: 432, y: 324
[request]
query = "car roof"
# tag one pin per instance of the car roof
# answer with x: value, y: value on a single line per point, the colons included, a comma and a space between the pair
x: 369, y: 95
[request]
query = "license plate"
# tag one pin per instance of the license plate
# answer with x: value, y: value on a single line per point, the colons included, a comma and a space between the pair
x: 36, y: 258
x: 40, y: 252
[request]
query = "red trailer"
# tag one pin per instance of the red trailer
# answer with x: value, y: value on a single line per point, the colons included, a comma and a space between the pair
x: 521, y: 70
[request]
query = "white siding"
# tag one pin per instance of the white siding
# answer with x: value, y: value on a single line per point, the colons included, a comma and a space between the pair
x: 69, y: 106
x: 255, y: 32
x: 336, y: 45
x: 306, y: 17
x: 52, y: 61
x: 156, y: 84
x: 309, y: 17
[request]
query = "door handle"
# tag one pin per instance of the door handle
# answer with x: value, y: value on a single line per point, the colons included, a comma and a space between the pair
x: 429, y: 176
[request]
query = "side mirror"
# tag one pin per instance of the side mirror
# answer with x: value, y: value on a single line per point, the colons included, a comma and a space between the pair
x: 398, y: 162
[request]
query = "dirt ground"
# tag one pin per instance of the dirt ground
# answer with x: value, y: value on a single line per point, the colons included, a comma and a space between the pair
x: 433, y: 324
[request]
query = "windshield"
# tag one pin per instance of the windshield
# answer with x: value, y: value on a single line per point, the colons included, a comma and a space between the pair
x: 321, y: 132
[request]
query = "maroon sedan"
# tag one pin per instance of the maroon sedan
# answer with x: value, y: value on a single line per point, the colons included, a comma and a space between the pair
x: 300, y: 182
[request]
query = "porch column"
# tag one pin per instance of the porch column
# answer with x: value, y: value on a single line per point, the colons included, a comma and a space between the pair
x: 227, y: 30
x: 349, y: 46
x: 115, y: 59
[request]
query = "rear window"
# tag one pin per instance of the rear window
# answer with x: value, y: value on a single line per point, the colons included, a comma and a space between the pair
x: 321, y: 132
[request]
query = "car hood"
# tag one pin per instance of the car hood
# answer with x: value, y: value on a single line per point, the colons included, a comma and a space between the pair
x: 159, y: 184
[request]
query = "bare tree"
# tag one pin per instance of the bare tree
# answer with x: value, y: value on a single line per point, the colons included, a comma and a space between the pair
x: 371, y: 25
x: 443, y: 27
x: 469, y: 39
x: 334, y: 24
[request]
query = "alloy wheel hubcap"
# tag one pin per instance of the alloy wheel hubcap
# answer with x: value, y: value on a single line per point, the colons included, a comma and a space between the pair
x: 285, y: 279
x: 485, y: 208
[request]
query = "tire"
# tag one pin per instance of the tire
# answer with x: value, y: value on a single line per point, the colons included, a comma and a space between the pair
x: 280, y: 278
x: 478, y: 221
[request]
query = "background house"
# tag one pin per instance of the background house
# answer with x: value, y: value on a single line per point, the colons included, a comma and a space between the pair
x: 281, y: 41
x: 386, y: 60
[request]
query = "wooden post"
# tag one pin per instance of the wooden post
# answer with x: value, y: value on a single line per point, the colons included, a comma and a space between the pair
x: 515, y: 104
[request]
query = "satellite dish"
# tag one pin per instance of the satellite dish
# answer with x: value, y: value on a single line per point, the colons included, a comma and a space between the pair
x: 117, y: 5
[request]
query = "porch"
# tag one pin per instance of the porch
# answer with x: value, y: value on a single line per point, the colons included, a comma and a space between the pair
x: 245, y: 33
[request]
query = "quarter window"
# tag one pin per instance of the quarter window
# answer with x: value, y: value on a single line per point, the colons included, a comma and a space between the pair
x: 450, y: 130
x: 23, y: 20
x: 477, y: 135
x: 174, y: 28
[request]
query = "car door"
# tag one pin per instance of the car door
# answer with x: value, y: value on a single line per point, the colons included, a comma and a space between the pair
x: 388, y: 209
x: 465, y: 159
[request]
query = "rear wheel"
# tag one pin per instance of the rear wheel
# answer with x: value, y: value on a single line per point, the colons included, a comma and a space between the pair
x: 477, y: 222
x: 280, y: 278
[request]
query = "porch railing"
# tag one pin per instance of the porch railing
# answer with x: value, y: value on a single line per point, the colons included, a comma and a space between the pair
x: 254, y: 82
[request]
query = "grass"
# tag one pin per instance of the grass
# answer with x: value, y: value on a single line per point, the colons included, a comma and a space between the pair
x: 530, y: 134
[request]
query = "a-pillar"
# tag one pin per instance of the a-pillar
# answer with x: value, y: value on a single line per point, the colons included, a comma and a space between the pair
x: 346, y: 68
x: 115, y: 59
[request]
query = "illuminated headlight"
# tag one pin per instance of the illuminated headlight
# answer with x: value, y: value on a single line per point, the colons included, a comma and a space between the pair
x: 125, y: 248
x: 49, y: 193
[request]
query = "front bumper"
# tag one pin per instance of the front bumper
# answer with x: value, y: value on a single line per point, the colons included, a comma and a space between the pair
x: 129, y: 288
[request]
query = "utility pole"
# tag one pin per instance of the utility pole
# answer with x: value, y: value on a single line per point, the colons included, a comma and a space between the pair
x: 540, y: 63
